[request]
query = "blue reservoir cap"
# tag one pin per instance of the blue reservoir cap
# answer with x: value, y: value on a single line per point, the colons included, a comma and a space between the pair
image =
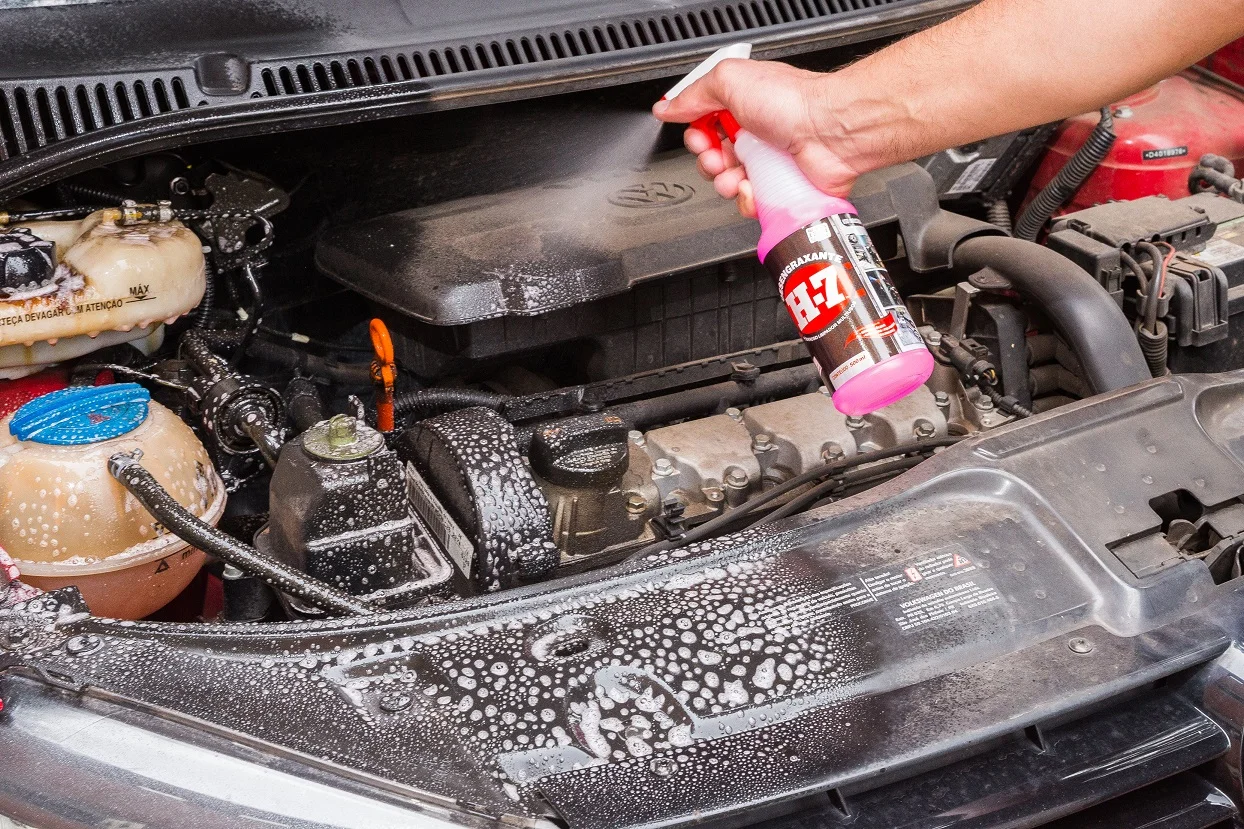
x: 82, y: 414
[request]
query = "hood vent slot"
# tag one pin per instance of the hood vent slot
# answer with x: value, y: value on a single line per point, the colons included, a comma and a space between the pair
x: 544, y: 46
x: 36, y: 113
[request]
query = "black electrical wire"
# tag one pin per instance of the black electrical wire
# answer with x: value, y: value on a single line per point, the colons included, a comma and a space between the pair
x: 1152, y: 298
x: 46, y: 215
x: 713, y: 525
x: 1069, y: 179
x: 1132, y: 265
x: 203, y: 312
x: 127, y: 371
x: 253, y: 317
x: 1152, y: 333
x: 867, y: 474
x: 127, y: 469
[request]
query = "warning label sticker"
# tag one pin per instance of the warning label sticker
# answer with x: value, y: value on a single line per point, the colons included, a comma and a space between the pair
x: 972, y: 175
x: 938, y: 586
x: 942, y: 604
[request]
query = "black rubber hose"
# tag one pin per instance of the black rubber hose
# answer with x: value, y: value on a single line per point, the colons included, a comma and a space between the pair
x: 1213, y: 172
x: 437, y: 400
x: 1081, y: 310
x: 144, y: 487
x: 303, y: 404
x: 292, y: 357
x: 1069, y: 179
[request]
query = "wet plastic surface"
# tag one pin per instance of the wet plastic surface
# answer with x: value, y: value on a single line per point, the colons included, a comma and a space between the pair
x: 840, y: 650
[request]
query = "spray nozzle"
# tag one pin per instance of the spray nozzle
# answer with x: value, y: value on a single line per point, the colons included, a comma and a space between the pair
x: 716, y: 123
x: 720, y: 121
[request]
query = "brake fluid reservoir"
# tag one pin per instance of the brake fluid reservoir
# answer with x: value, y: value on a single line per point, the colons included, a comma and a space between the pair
x: 69, y: 288
x: 65, y: 521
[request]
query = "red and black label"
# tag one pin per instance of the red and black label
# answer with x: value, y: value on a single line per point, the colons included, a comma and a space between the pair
x: 841, y: 298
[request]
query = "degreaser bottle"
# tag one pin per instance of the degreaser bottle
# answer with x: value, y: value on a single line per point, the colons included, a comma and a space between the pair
x: 862, y: 337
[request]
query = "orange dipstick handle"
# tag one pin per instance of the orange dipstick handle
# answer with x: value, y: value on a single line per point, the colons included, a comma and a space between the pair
x: 383, y: 374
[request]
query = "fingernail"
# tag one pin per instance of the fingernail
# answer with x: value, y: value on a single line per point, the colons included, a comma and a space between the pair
x: 660, y: 106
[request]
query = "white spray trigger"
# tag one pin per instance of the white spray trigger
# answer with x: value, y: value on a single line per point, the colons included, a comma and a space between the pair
x: 734, y: 50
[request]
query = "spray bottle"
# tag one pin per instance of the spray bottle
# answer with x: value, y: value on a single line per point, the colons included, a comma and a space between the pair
x: 862, y: 338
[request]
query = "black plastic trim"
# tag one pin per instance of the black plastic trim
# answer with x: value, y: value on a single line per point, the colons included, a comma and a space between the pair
x: 81, y: 148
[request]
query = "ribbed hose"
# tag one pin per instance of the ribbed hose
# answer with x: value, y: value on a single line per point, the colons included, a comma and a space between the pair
x: 428, y: 402
x: 1154, y: 345
x: 998, y: 214
x: 84, y: 194
x: 1069, y: 179
x: 203, y: 313
x: 144, y: 487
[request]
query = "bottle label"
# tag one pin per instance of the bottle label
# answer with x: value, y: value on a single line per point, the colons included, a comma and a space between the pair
x: 841, y: 298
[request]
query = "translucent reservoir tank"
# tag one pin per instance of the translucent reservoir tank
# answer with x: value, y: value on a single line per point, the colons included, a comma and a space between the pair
x: 65, y: 521
x: 71, y: 287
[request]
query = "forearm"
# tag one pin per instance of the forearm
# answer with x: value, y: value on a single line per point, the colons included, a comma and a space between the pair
x: 1008, y: 64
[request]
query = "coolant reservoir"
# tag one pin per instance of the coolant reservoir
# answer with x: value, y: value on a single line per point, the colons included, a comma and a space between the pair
x: 69, y: 288
x: 66, y: 521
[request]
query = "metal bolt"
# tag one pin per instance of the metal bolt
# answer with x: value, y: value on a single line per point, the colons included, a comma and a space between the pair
x: 636, y: 437
x: 924, y: 428
x: 761, y: 443
x: 933, y: 338
x: 342, y: 431
x: 1078, y: 644
x: 984, y: 403
x: 15, y: 637
x: 941, y: 398
x: 854, y: 422
x: 736, y: 478
x: 179, y: 185
x: 714, y: 494
x: 663, y: 467
x: 636, y: 503
x: 663, y: 766
x: 734, y: 414
x: 831, y: 452
x: 395, y: 702
x: 84, y: 644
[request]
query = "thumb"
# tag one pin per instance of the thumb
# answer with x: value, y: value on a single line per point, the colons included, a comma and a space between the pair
x: 704, y: 96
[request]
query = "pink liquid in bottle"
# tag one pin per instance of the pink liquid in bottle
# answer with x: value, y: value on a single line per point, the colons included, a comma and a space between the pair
x: 861, y: 335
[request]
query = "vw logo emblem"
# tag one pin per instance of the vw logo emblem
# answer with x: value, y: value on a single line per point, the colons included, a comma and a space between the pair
x: 651, y: 194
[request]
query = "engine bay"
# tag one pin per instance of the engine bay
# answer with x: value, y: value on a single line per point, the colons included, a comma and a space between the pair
x: 388, y: 407
x: 491, y: 479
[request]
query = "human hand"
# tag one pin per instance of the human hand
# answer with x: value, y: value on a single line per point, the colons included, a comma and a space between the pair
x: 786, y: 107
